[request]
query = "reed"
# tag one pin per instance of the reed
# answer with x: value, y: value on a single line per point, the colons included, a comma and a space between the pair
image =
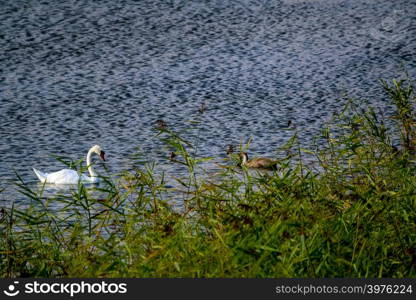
x: 349, y: 213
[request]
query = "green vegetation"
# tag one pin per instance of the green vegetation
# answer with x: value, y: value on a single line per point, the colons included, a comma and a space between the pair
x: 351, y: 212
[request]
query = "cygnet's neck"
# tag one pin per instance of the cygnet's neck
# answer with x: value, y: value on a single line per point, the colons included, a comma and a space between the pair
x: 243, y: 159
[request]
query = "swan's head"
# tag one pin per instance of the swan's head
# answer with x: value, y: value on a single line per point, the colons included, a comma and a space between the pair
x: 97, y: 149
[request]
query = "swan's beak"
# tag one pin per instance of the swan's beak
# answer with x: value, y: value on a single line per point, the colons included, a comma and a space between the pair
x: 102, y: 155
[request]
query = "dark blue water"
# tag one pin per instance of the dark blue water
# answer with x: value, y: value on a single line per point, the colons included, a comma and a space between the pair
x: 79, y: 73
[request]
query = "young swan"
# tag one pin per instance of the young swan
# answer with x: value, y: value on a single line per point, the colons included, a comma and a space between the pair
x: 261, y: 162
x: 67, y: 176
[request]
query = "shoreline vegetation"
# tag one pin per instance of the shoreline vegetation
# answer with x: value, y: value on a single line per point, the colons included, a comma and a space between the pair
x: 354, y: 215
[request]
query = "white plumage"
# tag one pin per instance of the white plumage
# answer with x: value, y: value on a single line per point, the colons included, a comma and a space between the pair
x: 67, y: 176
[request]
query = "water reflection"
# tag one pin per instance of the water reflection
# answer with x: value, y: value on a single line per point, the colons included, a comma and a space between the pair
x: 78, y: 73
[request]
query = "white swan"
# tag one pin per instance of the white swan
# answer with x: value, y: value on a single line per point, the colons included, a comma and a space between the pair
x: 67, y: 176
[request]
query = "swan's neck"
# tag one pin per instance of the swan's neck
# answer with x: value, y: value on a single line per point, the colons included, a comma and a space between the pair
x: 89, y: 164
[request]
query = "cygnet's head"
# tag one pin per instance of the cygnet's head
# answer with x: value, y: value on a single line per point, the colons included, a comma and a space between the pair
x: 97, y: 149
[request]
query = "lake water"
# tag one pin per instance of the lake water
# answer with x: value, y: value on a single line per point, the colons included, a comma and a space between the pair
x: 79, y: 73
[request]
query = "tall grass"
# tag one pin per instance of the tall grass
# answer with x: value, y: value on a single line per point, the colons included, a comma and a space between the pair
x: 350, y: 214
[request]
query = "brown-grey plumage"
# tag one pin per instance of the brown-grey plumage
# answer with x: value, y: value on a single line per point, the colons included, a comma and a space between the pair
x: 260, y: 162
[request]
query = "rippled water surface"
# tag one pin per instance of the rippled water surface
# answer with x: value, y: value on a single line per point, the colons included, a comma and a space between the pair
x: 78, y: 73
